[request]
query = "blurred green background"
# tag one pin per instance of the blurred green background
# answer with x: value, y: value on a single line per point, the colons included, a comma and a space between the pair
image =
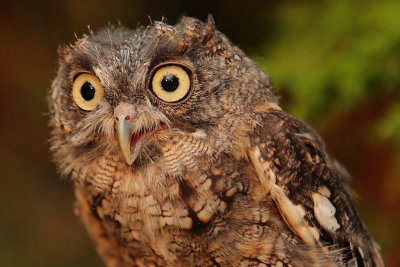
x: 335, y: 64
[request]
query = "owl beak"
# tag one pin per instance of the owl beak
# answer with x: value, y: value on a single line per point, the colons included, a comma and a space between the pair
x: 132, y: 136
x: 124, y: 131
x: 124, y: 115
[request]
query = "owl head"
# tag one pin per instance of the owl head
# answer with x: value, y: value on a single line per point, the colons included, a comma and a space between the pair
x: 128, y: 92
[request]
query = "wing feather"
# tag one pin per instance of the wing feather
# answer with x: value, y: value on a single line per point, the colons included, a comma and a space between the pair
x: 106, y: 246
x: 309, y: 189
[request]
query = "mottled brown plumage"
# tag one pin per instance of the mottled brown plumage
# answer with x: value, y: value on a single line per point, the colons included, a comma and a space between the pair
x: 181, y: 156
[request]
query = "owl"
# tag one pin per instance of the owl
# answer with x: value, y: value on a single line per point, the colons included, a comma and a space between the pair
x: 181, y: 155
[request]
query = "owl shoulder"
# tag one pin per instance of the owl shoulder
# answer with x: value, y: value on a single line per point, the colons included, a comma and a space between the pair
x: 308, y: 187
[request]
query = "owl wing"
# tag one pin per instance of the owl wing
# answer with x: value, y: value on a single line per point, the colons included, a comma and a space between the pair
x: 308, y: 188
x: 106, y: 246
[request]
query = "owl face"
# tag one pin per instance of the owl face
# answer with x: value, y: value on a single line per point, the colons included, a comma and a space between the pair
x: 132, y: 91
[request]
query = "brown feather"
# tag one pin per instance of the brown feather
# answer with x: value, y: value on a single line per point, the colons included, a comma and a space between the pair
x: 228, y: 179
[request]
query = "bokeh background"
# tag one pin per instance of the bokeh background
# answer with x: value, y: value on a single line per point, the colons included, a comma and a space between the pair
x: 335, y: 64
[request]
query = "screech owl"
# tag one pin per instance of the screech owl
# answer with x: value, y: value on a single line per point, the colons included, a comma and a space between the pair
x: 181, y: 155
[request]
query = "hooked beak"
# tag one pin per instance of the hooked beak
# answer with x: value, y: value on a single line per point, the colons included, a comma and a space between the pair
x: 124, y: 114
x: 124, y: 130
x: 131, y: 136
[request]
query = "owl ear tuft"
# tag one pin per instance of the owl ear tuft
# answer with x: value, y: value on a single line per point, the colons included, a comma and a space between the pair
x: 63, y: 51
x: 192, y: 33
x: 211, y: 38
x: 196, y: 32
x: 209, y: 28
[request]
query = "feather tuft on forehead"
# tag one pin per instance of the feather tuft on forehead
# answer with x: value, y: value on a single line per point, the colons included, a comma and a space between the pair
x: 196, y: 32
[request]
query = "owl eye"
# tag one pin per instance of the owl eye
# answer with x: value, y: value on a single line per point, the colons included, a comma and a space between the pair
x: 87, y: 91
x: 171, y: 83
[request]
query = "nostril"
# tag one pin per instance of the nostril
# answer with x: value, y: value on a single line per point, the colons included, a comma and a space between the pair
x: 124, y: 112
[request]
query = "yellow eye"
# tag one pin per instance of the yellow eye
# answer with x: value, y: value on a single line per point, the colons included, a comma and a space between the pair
x: 171, y: 83
x: 87, y: 91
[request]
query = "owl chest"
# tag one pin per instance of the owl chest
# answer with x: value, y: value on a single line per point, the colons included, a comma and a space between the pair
x: 155, y: 213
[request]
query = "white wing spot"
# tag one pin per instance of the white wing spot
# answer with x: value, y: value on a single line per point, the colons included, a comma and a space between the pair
x: 291, y: 213
x: 325, y: 212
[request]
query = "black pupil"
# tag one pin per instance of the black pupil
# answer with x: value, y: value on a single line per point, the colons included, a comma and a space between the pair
x: 87, y: 91
x: 170, y: 82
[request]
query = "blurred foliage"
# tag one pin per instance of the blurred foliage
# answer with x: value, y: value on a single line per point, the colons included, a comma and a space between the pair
x: 333, y: 54
x: 335, y: 64
x: 389, y: 126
